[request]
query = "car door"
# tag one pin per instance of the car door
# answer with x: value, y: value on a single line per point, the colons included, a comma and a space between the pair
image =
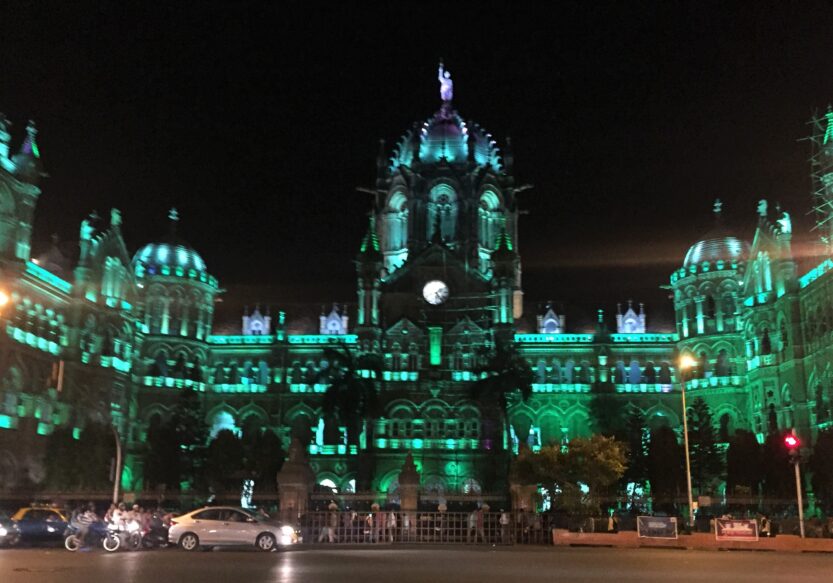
x: 241, y: 529
x: 53, y: 526
x: 208, y: 526
x: 32, y: 526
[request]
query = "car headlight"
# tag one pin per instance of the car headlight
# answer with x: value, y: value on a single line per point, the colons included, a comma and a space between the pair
x: 3, y: 531
x: 287, y: 531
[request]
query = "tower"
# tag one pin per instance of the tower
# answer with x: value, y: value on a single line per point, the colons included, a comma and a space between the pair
x: 19, y: 192
x: 178, y: 295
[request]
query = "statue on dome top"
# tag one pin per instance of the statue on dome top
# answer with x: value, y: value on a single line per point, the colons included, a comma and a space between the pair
x: 446, y: 84
x: 785, y: 223
x: 762, y: 208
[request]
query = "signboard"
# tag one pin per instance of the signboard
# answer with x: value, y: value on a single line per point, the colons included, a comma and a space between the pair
x: 736, y: 529
x: 656, y: 526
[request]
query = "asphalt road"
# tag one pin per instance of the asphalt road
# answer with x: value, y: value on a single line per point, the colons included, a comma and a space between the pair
x: 405, y: 565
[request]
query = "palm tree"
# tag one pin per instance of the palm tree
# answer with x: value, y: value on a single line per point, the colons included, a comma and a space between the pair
x: 507, y: 375
x: 351, y: 389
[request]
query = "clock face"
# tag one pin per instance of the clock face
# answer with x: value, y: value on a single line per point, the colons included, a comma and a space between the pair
x: 435, y: 292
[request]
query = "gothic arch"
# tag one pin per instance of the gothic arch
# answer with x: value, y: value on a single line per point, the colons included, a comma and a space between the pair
x: 660, y: 410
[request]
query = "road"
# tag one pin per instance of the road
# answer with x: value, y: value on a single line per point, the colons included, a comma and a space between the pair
x: 406, y: 565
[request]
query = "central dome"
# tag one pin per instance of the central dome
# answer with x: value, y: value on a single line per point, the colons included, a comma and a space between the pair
x: 173, y: 255
x: 716, y: 246
x: 445, y: 136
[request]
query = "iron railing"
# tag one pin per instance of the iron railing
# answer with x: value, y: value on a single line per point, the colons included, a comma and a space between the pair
x: 391, y: 527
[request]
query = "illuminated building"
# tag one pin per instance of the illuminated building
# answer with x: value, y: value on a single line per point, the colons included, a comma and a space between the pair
x: 117, y: 336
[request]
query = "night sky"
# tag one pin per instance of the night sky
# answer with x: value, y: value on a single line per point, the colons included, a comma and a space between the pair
x: 258, y: 122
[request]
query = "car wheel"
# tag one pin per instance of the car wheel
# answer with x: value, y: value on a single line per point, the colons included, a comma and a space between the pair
x: 189, y: 542
x: 265, y: 542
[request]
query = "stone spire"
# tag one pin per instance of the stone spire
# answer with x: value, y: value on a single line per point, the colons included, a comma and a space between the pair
x: 27, y: 164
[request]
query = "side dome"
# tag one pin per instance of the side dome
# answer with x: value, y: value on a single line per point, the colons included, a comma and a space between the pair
x: 445, y: 136
x: 173, y: 258
x: 717, y: 246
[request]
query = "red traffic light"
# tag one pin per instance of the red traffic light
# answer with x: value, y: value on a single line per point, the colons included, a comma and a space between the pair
x: 791, y: 441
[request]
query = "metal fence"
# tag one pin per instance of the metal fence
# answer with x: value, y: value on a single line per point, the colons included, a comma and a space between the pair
x: 391, y: 527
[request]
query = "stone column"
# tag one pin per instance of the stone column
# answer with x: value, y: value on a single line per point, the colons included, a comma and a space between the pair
x: 523, y: 496
x: 295, y: 482
x: 408, y: 485
x: 408, y: 495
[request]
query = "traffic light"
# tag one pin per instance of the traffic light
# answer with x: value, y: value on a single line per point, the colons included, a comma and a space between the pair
x: 792, y: 444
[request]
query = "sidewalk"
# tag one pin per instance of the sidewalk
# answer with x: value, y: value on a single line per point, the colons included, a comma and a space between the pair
x: 696, y: 541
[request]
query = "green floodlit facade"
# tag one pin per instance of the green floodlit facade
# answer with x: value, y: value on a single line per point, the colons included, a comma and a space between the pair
x: 117, y: 336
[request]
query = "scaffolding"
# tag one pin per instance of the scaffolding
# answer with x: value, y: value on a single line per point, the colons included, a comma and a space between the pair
x: 821, y: 175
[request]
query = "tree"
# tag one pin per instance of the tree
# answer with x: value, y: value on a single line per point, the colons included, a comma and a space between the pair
x: 161, y: 468
x: 822, y: 470
x: 190, y: 435
x: 224, y: 462
x: 778, y: 480
x: 505, y: 375
x: 351, y: 389
x: 576, y: 478
x: 743, y: 466
x: 97, y: 449
x: 637, y: 441
x: 665, y: 468
x: 264, y: 455
x: 706, y: 459
x: 63, y: 464
x: 606, y: 409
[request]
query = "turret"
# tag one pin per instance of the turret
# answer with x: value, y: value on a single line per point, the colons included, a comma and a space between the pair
x: 369, y: 270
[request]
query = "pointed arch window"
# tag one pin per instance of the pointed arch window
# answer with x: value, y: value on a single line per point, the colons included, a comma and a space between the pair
x: 442, y: 210
x: 490, y: 222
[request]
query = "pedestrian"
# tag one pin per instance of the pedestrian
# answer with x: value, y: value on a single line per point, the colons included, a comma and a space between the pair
x: 504, y: 527
x: 329, y: 529
x: 472, y: 526
x: 766, y: 526
x: 391, y: 525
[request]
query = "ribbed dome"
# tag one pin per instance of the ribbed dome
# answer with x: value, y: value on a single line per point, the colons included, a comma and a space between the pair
x: 446, y: 136
x: 716, y: 246
x: 174, y: 255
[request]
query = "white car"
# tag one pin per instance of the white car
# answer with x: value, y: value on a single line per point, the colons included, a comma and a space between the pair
x: 227, y: 525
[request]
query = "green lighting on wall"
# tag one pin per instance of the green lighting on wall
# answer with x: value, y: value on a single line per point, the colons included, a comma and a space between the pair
x: 48, y: 277
x: 6, y: 422
x: 435, y: 342
x: 322, y: 338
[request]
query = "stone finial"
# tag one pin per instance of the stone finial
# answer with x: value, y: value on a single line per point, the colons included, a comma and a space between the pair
x: 115, y: 217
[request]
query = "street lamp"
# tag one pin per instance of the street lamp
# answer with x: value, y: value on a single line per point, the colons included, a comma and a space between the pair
x: 792, y: 443
x: 117, y: 474
x: 686, y: 362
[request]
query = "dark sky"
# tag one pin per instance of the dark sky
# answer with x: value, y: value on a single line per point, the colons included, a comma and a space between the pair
x: 258, y: 121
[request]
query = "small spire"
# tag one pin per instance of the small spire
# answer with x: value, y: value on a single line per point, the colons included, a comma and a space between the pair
x: 370, y: 243
x: 718, y: 207
x: 30, y: 144
x: 173, y: 217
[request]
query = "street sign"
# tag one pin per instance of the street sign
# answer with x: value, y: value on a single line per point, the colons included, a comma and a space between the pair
x: 656, y: 526
x: 736, y: 529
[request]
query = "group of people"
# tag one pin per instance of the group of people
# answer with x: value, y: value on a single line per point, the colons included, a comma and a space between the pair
x: 478, y: 526
x: 118, y: 516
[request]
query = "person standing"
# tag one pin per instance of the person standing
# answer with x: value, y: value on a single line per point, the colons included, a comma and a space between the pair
x: 504, y: 527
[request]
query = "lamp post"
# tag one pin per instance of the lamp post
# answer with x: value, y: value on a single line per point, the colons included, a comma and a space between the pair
x: 686, y: 362
x: 117, y: 471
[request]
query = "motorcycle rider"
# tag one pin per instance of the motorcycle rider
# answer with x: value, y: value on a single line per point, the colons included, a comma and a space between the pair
x: 84, y: 521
